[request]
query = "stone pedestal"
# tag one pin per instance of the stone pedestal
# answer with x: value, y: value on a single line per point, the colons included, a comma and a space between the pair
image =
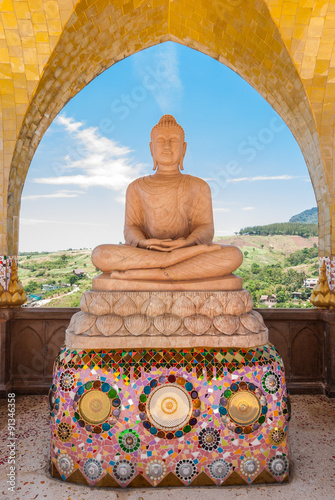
x: 168, y: 389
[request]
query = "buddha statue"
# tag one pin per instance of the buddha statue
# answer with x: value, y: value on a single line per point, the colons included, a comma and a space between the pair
x: 168, y: 229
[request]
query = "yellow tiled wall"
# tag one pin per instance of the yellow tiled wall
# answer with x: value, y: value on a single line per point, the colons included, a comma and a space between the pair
x: 50, y: 49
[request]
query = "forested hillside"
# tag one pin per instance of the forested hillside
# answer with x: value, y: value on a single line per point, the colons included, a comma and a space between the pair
x: 273, y: 265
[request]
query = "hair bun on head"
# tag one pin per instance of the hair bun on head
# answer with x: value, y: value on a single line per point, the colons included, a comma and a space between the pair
x: 168, y: 121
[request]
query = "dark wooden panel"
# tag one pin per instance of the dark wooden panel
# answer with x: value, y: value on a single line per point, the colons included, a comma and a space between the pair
x: 31, y: 338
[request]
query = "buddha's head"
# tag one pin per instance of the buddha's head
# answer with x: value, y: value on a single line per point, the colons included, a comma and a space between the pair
x: 168, y: 146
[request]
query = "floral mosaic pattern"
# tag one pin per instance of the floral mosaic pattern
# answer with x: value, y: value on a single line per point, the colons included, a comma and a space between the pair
x: 254, y: 447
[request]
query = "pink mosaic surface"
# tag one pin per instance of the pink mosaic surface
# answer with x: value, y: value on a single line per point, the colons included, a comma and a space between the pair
x: 75, y: 445
x: 330, y: 269
x: 5, y: 269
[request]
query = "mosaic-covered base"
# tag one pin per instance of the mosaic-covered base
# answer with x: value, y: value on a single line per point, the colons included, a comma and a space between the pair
x: 178, y: 417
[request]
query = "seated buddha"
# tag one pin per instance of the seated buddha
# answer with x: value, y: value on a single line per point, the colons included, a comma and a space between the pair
x: 168, y: 229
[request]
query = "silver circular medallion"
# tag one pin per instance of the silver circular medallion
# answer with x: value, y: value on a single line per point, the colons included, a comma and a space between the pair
x: 92, y: 468
x: 65, y: 464
x: 219, y: 468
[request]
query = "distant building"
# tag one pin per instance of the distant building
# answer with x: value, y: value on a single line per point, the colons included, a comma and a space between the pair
x: 35, y: 297
x: 48, y: 288
x: 310, y: 282
x: 79, y: 272
x: 296, y: 295
x: 268, y: 299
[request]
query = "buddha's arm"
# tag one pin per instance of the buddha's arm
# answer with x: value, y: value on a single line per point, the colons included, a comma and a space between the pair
x: 202, y: 225
x: 133, y: 218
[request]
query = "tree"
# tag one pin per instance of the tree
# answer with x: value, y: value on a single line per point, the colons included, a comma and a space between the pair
x: 255, y: 269
x: 281, y: 297
x: 73, y: 279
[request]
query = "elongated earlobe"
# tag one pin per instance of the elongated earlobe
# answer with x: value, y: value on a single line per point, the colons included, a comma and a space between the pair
x: 181, y: 161
x: 155, y: 165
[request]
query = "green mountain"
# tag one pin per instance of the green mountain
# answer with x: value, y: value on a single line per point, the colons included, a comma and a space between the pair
x: 307, y: 216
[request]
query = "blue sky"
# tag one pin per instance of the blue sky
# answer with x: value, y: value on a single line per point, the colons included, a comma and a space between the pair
x: 74, y: 192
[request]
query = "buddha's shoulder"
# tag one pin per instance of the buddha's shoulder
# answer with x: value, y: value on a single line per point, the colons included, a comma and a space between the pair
x: 139, y: 182
x: 197, y: 182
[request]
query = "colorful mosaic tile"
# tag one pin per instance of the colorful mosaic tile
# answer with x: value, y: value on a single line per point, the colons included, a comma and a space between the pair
x: 167, y: 423
x: 209, y: 362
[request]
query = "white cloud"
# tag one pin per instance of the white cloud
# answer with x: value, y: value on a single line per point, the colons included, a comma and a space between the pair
x: 98, y: 160
x: 221, y: 209
x: 263, y: 178
x: 57, y: 194
x: 160, y: 75
x: 248, y: 208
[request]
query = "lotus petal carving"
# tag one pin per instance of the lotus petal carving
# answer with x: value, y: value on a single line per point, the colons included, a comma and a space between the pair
x: 250, y: 323
x: 211, y: 307
x: 167, y: 324
x: 137, y: 324
x: 259, y: 317
x: 125, y: 306
x: 183, y: 307
x: 153, y: 306
x: 242, y: 330
x: 111, y: 301
x: 198, y: 324
x: 83, y: 303
x: 248, y: 302
x: 235, y: 306
x: 88, y: 297
x: 99, y: 306
x: 84, y: 323
x: 73, y: 320
x: 226, y: 324
x: 110, y: 324
x: 138, y: 300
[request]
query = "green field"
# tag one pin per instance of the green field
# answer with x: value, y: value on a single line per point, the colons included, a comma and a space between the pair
x: 272, y: 265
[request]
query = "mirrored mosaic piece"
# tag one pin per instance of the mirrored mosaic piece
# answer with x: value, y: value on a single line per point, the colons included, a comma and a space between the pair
x: 278, y: 465
x: 123, y: 470
x: 277, y: 436
x: 186, y: 469
x: 67, y: 381
x: 219, y: 468
x: 97, y: 406
x: 64, y: 431
x: 129, y: 440
x: 243, y: 407
x: 167, y: 406
x: 209, y: 438
x: 250, y: 466
x: 156, y: 470
x: 54, y: 400
x: 65, y: 464
x: 271, y: 382
x: 92, y: 468
x: 94, y: 407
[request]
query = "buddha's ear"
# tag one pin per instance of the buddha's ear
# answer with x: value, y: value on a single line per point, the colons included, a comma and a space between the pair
x: 182, y: 156
x: 153, y: 157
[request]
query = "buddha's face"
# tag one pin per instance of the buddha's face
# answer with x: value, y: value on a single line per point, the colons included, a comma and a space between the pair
x: 168, y: 148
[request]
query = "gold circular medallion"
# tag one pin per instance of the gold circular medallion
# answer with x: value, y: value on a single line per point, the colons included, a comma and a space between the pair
x: 169, y: 407
x: 244, y: 408
x: 95, y: 407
